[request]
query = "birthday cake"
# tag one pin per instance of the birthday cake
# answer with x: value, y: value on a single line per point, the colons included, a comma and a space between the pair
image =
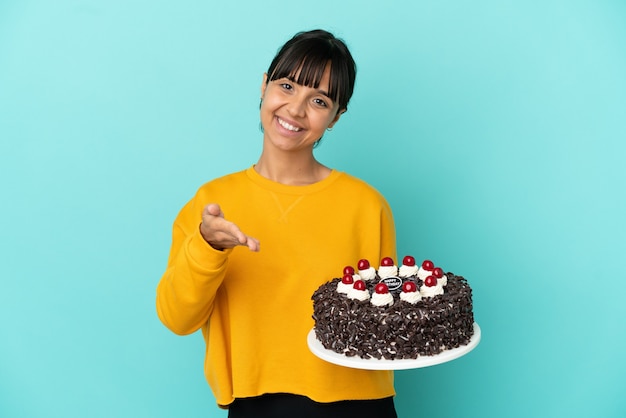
x: 393, y: 312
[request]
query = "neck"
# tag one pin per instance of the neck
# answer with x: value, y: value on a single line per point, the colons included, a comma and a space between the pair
x: 291, y: 170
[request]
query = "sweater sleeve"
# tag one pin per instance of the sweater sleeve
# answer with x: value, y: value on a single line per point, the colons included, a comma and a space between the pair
x: 194, y: 273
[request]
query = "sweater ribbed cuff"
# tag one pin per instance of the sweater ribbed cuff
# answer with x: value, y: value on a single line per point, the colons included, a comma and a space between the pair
x: 203, y: 256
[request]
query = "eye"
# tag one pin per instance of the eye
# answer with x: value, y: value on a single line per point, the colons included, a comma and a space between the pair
x: 320, y: 102
x: 286, y: 86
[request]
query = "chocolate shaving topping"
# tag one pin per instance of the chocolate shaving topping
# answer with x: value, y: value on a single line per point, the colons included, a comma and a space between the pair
x: 400, y: 331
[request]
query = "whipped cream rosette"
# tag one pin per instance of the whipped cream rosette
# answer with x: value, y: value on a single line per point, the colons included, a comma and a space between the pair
x: 387, y: 268
x: 346, y: 283
x: 359, y: 291
x: 442, y: 279
x: 408, y: 267
x: 366, y: 271
x: 350, y: 270
x: 431, y: 288
x: 425, y: 270
x: 410, y: 293
x: 381, y: 296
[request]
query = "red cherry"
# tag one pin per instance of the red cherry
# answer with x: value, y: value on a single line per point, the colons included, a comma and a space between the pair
x: 359, y: 285
x: 348, y: 270
x: 438, y: 272
x: 347, y: 279
x: 386, y: 262
x: 408, y: 287
x: 430, y: 281
x: 428, y: 265
x: 408, y: 261
x: 381, y: 288
x: 363, y: 264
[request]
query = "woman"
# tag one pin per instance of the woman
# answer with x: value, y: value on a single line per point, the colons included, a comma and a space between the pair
x: 254, y: 306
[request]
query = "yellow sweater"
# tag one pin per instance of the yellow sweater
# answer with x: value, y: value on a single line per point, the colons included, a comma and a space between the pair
x: 254, y: 308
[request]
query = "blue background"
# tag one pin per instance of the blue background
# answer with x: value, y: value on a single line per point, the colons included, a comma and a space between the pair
x: 496, y: 129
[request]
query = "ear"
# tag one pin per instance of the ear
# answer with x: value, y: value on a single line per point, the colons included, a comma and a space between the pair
x: 336, y: 118
x: 263, y: 85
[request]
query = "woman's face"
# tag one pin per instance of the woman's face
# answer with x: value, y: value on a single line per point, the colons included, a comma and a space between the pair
x: 294, y: 116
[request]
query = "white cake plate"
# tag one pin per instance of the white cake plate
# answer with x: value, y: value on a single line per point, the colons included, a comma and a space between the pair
x: 356, y: 362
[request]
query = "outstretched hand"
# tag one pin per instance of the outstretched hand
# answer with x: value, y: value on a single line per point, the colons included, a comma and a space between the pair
x: 222, y: 234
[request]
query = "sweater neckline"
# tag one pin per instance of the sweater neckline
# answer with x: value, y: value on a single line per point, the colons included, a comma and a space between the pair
x: 284, y: 188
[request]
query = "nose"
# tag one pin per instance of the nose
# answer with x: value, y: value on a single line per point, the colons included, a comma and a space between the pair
x: 297, y: 106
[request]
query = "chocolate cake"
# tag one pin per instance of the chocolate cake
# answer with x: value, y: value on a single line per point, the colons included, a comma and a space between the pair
x: 421, y: 311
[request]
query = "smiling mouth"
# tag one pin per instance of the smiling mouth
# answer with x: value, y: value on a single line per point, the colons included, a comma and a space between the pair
x: 288, y: 126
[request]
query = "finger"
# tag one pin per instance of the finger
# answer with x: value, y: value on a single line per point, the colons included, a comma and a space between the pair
x: 253, y: 244
x: 240, y: 237
x: 235, y: 234
x: 237, y: 237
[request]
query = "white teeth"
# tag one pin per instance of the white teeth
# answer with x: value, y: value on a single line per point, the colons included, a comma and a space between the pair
x: 288, y: 126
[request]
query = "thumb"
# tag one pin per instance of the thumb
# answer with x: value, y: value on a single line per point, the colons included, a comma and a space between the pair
x: 214, y: 209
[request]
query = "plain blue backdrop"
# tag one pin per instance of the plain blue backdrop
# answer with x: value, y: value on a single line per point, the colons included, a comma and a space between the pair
x: 496, y: 130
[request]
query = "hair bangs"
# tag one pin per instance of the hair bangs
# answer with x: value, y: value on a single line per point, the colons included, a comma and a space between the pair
x: 308, y: 70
